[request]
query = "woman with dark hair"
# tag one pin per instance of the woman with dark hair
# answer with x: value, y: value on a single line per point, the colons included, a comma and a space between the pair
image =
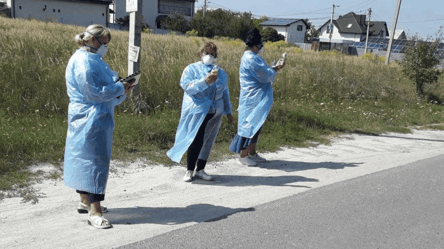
x: 255, y: 100
x: 206, y: 99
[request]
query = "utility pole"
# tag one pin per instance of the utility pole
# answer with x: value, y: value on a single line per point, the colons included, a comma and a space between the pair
x: 203, y: 18
x: 205, y: 9
x: 368, y: 29
x: 134, y: 7
x: 392, y: 34
x: 331, y: 23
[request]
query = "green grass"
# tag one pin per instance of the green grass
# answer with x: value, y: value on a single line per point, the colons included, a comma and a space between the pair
x: 317, y: 96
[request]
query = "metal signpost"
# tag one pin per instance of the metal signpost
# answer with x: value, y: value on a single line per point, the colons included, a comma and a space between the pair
x: 134, y: 7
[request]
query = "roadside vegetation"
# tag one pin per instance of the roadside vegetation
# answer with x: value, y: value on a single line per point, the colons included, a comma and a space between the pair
x: 317, y: 96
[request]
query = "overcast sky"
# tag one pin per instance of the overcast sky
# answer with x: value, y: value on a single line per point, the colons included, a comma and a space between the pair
x: 415, y: 17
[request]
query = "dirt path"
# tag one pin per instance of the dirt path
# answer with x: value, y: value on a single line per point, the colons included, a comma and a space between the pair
x: 146, y: 200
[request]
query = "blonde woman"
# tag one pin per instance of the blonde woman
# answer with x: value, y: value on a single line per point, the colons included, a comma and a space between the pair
x: 93, y: 90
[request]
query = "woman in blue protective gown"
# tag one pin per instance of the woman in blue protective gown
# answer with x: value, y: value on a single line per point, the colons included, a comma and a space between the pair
x: 206, y: 99
x: 255, y: 100
x: 93, y: 91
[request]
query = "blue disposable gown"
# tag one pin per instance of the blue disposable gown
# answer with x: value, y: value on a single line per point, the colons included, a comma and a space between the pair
x: 93, y: 93
x: 198, y: 100
x: 256, y: 94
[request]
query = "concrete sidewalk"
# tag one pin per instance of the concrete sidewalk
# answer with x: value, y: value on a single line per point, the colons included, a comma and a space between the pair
x: 145, y: 200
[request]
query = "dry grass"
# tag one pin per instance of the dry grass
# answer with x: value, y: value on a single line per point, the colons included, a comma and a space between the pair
x: 317, y: 95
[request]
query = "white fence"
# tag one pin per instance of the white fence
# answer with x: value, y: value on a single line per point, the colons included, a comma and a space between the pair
x: 304, y: 46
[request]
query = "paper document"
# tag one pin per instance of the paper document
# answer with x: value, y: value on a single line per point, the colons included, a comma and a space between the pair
x: 280, y: 61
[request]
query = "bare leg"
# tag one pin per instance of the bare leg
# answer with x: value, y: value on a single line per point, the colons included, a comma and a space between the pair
x: 96, y: 209
x: 249, y: 150
x: 252, y: 150
x: 84, y: 199
x: 243, y: 153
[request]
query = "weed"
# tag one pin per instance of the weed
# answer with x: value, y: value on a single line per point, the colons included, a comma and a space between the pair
x: 317, y: 96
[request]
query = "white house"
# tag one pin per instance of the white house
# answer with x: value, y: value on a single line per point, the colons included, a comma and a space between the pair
x: 75, y: 12
x: 7, y: 2
x: 351, y: 28
x: 154, y: 11
x: 399, y: 34
x: 292, y: 29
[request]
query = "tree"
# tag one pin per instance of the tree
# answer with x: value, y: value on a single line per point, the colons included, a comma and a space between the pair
x: 270, y: 34
x: 124, y: 22
x: 257, y: 22
x: 311, y: 32
x: 420, y: 61
x: 175, y: 22
x: 222, y: 23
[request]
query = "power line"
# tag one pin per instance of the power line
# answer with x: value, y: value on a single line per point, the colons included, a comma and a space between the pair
x: 359, y: 5
x: 308, y: 12
x: 434, y: 20
x: 377, y: 17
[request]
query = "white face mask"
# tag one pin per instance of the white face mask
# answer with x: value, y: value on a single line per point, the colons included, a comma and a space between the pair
x: 208, y: 59
x: 102, y: 50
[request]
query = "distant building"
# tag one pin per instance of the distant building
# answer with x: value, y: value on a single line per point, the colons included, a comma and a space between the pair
x: 5, y: 8
x: 399, y: 34
x: 154, y: 11
x: 7, y: 3
x: 75, y: 12
x: 292, y: 29
x: 104, y: 12
x: 351, y: 28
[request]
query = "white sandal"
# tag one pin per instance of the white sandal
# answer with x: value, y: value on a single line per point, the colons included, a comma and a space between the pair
x: 98, y: 221
x: 84, y: 209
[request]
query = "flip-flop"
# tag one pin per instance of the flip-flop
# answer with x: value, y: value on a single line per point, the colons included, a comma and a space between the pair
x: 98, y: 222
x: 83, y: 208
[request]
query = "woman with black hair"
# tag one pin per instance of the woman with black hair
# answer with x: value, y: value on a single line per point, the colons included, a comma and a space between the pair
x: 255, y: 100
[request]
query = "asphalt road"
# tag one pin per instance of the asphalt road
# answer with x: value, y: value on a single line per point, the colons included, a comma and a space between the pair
x: 397, y: 208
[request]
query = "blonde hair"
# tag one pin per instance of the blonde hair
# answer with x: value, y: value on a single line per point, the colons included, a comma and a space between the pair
x: 94, y: 30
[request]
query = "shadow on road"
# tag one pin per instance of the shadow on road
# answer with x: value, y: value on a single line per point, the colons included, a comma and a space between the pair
x: 239, y: 181
x: 290, y: 166
x: 172, y: 215
x: 413, y: 138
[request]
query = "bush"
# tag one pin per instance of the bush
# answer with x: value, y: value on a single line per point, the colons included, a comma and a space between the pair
x: 420, y: 62
x: 373, y: 57
x: 331, y: 52
x: 298, y: 50
x: 192, y: 33
x: 125, y: 21
x: 175, y: 22
x: 277, y: 45
x: 367, y: 56
x: 271, y: 35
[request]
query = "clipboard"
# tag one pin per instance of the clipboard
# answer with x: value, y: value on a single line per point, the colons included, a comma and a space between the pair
x: 135, y: 76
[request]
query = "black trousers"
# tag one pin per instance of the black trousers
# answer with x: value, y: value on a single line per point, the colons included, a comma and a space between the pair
x: 92, y: 197
x: 196, y: 146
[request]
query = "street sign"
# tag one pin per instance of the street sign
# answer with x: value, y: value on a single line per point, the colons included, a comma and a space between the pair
x: 131, y: 5
x: 133, y: 53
